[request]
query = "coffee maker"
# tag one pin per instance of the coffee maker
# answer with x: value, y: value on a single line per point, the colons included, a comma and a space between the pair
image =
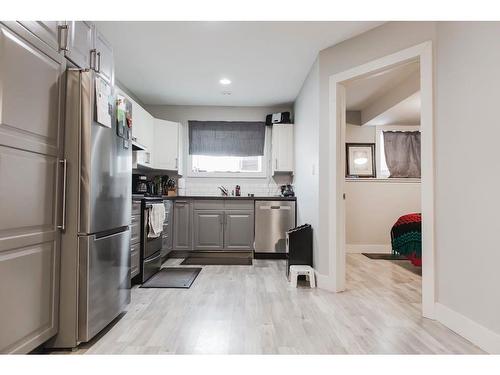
x: 139, y: 184
x: 287, y: 191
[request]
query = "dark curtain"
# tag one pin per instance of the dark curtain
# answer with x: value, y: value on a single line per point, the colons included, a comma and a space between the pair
x: 226, y: 138
x: 402, y: 153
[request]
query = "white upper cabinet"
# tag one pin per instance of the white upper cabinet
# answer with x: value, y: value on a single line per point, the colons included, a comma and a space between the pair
x: 282, y: 148
x: 166, y: 145
x: 142, y: 126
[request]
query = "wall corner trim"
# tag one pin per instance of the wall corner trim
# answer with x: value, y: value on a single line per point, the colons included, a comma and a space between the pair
x: 325, y: 282
x: 479, y: 335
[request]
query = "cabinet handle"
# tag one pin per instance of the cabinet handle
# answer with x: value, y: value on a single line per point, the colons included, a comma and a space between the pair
x: 93, y: 59
x: 64, y: 163
x: 64, y: 37
x: 177, y: 163
x: 275, y: 164
x: 98, y: 62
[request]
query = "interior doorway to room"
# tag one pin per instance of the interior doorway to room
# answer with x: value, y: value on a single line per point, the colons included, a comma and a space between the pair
x: 416, y: 64
x: 382, y: 182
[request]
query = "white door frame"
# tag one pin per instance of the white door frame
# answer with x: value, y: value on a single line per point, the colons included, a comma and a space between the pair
x: 336, y: 211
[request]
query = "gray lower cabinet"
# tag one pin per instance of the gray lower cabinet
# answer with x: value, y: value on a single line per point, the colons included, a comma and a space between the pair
x: 223, y: 225
x: 135, y: 239
x: 182, y: 228
x: 167, y: 243
x: 135, y: 259
x: 239, y: 230
x: 208, y: 230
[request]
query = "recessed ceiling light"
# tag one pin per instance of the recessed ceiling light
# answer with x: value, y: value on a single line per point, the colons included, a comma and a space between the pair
x: 225, y: 81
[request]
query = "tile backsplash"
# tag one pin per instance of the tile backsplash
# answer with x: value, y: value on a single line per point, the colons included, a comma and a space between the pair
x: 209, y: 186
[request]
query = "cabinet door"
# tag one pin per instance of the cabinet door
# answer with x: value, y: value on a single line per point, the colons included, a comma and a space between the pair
x: 166, y: 145
x: 79, y: 43
x: 239, y: 230
x: 282, y: 148
x: 30, y: 150
x: 208, y: 230
x: 182, y: 226
x: 104, y: 62
x: 47, y: 31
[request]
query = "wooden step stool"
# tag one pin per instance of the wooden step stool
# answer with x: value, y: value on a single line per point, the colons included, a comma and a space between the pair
x: 308, y: 271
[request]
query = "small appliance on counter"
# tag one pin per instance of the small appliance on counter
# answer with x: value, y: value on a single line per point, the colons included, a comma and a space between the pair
x: 139, y: 184
x: 287, y: 191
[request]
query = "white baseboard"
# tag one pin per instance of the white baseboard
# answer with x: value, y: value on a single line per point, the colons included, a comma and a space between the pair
x: 479, y: 335
x: 358, y: 249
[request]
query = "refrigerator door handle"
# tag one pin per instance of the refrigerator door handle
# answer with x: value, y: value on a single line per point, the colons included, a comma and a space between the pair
x: 64, y: 163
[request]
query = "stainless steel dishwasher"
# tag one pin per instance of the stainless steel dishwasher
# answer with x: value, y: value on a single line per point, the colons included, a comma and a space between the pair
x: 272, y: 220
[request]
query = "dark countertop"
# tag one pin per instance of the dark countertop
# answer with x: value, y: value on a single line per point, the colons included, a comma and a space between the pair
x: 220, y: 197
x: 217, y: 197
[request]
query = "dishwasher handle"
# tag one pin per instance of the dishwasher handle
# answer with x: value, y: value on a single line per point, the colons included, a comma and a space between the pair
x: 275, y: 208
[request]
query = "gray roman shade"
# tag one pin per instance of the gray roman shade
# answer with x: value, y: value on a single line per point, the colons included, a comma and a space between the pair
x: 226, y: 138
x: 402, y: 153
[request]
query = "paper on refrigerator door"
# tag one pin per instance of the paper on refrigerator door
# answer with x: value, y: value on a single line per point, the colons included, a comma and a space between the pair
x: 104, y: 102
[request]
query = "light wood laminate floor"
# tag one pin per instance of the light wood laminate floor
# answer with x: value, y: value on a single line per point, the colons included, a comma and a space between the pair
x: 252, y: 309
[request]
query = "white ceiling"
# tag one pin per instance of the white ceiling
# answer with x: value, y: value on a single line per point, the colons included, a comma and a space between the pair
x: 406, y: 112
x: 362, y: 92
x: 182, y: 62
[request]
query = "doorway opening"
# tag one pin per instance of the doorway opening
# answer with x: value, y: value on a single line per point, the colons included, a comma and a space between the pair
x: 406, y: 60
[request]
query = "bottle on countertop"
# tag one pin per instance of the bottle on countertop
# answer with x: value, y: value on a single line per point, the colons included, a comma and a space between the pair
x: 238, y: 190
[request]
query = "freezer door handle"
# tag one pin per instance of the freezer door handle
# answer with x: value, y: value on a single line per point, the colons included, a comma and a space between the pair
x: 64, y: 163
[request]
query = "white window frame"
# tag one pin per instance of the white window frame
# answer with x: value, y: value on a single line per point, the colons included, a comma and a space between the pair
x: 263, y: 174
x: 379, y: 146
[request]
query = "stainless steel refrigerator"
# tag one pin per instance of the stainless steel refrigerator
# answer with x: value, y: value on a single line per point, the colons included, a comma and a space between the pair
x: 95, y: 253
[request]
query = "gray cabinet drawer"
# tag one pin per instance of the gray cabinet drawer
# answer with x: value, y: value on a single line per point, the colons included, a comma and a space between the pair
x: 136, y: 208
x: 135, y: 229
x: 135, y: 247
x: 246, y: 204
x: 134, y: 262
x: 208, y: 205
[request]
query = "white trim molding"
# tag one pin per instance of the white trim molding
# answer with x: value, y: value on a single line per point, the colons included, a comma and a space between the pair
x: 479, y: 335
x: 335, y: 241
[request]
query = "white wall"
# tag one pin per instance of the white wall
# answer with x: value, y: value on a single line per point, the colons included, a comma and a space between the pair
x: 373, y: 206
x: 467, y: 178
x: 306, y: 156
x: 466, y: 78
x: 208, y: 186
x: 360, y: 134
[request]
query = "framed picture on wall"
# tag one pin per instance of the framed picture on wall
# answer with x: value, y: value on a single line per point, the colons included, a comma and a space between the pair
x: 360, y: 160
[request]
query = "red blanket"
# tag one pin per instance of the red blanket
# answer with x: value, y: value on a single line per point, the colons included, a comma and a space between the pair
x: 406, y: 237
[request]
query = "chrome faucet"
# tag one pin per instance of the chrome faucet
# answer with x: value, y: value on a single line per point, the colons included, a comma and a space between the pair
x: 224, y: 191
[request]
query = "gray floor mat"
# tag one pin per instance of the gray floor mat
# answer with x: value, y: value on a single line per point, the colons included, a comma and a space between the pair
x: 178, y: 277
x: 217, y: 261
